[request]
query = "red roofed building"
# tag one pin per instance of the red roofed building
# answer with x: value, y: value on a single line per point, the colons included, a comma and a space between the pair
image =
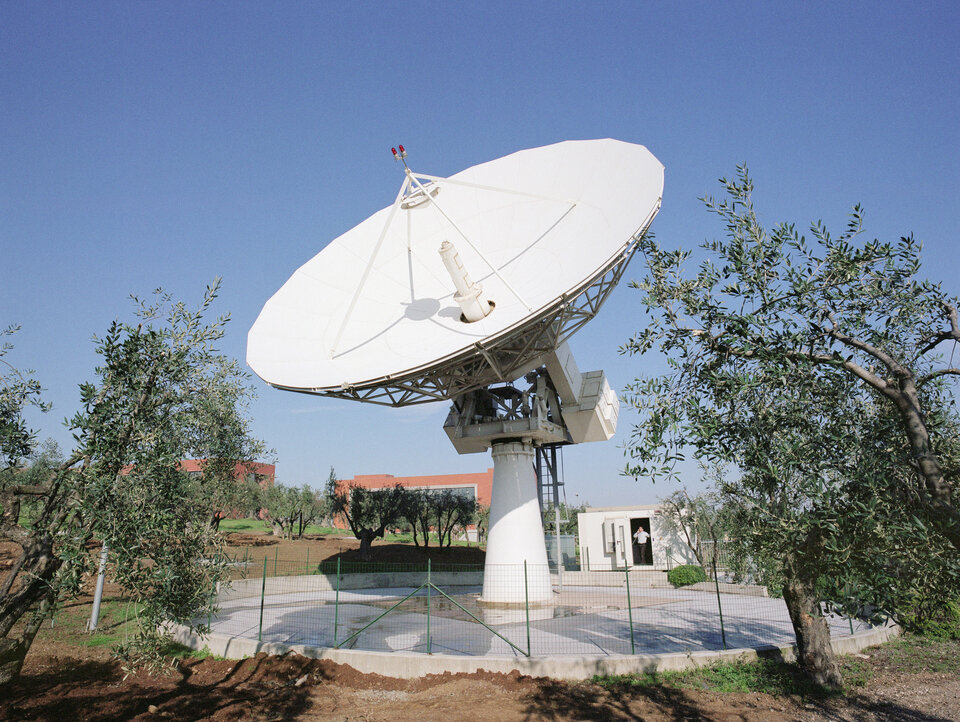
x: 477, y: 486
x: 263, y: 474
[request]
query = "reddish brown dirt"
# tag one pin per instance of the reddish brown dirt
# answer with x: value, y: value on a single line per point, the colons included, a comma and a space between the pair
x: 64, y: 681
x: 327, y: 548
x: 65, y: 686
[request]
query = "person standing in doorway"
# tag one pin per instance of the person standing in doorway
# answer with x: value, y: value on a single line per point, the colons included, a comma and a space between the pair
x: 642, y: 538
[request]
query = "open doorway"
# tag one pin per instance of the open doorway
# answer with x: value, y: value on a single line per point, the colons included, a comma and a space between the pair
x: 642, y: 552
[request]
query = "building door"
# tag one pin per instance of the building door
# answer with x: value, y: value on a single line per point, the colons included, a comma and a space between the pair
x: 642, y: 553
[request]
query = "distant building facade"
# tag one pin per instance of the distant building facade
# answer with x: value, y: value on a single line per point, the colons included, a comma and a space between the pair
x: 475, y: 486
x: 263, y: 474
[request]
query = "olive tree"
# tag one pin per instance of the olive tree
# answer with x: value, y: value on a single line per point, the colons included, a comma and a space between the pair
x: 226, y: 449
x: 282, y: 504
x: 451, y: 510
x: 291, y: 509
x: 699, y: 521
x: 314, y: 506
x: 368, y: 512
x: 122, y: 484
x: 782, y: 352
x: 418, y: 512
x: 839, y: 304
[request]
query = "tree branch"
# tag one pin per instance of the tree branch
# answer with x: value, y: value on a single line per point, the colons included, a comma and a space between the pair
x: 886, y: 359
x: 942, y: 372
x: 952, y: 334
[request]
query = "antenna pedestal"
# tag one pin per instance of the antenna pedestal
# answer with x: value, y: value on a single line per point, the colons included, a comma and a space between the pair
x: 560, y: 406
x: 516, y: 531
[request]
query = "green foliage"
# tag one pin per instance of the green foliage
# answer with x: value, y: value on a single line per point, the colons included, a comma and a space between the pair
x: 451, y: 511
x: 176, y: 650
x: 292, y: 509
x: 239, y: 525
x: 763, y: 676
x: 368, y: 512
x: 913, y: 653
x: 685, y: 575
x: 436, y: 511
x: 937, y: 620
x: 18, y: 392
x: 569, y: 519
x: 417, y: 512
x: 162, y: 391
x: 222, y: 441
x: 812, y: 366
x: 482, y: 520
x: 700, y: 520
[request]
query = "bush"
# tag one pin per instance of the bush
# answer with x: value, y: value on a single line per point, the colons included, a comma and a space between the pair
x: 939, y: 621
x: 685, y: 575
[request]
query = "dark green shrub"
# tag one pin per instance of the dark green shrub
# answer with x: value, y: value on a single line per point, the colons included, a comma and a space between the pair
x: 937, y: 620
x: 685, y: 575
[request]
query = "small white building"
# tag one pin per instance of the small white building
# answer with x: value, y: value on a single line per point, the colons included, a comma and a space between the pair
x: 608, y: 539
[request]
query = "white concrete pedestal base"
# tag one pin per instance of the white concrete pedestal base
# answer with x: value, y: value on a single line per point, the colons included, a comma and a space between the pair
x: 516, y: 531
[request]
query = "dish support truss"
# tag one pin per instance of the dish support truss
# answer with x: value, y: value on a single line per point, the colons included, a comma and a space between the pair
x: 500, y: 358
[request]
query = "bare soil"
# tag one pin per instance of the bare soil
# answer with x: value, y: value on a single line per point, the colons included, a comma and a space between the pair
x: 63, y: 679
x: 317, y: 548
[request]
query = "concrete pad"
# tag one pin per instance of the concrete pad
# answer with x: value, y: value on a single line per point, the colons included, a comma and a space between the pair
x: 586, y: 631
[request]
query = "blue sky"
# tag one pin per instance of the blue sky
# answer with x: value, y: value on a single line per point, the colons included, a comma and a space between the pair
x: 163, y: 144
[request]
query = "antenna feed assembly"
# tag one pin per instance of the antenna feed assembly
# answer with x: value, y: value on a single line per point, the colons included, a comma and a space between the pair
x: 469, y: 292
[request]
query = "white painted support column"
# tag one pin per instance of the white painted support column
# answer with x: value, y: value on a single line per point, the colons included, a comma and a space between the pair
x: 516, y: 530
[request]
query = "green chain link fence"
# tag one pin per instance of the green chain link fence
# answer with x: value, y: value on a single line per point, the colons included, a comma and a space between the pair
x: 435, y: 608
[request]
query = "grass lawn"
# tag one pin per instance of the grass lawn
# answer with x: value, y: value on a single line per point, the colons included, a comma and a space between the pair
x: 257, y: 526
x: 907, y: 653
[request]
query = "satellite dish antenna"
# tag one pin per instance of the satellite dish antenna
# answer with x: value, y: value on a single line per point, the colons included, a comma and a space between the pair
x: 463, y: 283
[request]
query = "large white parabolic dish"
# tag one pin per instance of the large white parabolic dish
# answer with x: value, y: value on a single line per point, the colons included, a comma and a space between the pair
x: 546, y: 232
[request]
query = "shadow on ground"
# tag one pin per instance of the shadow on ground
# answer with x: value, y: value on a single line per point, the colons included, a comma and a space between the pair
x: 96, y: 690
x: 555, y: 700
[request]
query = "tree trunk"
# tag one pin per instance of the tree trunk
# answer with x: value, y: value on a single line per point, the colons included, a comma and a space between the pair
x: 813, y: 635
x: 940, y: 499
x: 14, y: 651
x: 366, y: 541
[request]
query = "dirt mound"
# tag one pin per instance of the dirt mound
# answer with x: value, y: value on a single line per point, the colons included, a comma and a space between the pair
x: 407, y: 554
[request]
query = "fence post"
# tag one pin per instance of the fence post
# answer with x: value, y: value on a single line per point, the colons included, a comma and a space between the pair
x: 716, y: 585
x: 626, y: 572
x: 307, y: 566
x: 849, y: 616
x: 210, y: 611
x: 526, y: 603
x: 336, y: 606
x: 429, y: 646
x: 263, y: 593
x: 276, y: 554
x: 98, y: 594
x: 556, y: 512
